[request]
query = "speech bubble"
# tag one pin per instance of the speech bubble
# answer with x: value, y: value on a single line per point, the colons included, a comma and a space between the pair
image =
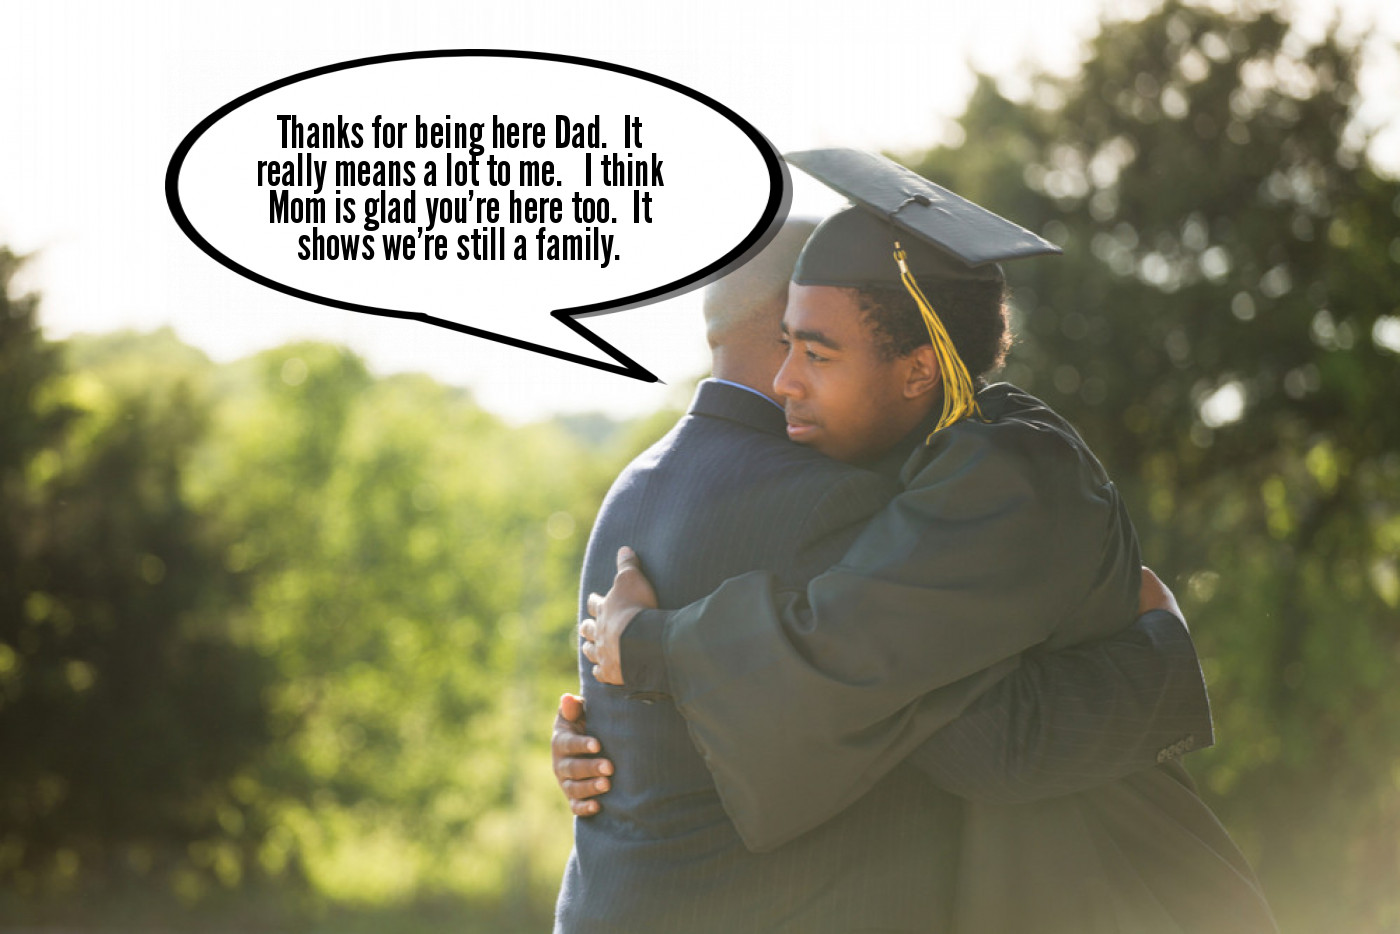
x: 483, y: 191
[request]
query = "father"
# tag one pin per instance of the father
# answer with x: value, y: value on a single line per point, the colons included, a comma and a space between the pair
x: 725, y: 492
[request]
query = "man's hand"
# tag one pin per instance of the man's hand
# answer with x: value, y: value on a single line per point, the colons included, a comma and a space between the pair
x: 1154, y: 595
x: 602, y: 635
x: 580, y: 772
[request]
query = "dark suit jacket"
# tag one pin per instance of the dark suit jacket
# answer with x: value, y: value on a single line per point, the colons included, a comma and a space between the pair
x: 725, y: 492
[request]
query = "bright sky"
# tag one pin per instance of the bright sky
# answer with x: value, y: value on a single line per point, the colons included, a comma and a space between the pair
x: 98, y: 95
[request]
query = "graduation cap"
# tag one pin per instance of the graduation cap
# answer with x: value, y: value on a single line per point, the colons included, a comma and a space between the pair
x: 903, y: 228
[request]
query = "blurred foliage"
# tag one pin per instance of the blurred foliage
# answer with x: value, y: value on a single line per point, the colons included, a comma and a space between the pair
x: 417, y: 565
x: 285, y: 637
x: 1224, y: 328
x: 125, y: 706
x: 280, y: 626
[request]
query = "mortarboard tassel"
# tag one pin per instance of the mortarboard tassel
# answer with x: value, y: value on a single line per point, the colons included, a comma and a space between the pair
x: 959, y: 395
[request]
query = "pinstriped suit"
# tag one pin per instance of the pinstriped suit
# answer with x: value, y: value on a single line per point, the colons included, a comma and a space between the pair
x: 724, y: 493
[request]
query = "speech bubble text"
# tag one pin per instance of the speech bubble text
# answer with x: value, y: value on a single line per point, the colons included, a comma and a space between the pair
x: 483, y: 191
x: 481, y: 201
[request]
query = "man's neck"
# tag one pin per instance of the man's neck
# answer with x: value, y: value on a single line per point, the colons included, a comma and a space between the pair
x: 892, y: 461
x: 743, y: 369
x: 993, y: 401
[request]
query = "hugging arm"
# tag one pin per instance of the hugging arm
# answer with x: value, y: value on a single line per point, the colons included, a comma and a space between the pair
x: 1059, y: 723
x: 999, y: 545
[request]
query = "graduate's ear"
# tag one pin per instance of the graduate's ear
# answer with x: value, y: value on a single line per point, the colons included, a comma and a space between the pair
x: 922, y: 376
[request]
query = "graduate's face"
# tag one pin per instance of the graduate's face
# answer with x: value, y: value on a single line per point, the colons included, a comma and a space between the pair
x: 840, y: 395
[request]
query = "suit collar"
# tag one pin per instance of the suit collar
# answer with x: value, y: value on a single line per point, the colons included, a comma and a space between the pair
x: 739, y: 404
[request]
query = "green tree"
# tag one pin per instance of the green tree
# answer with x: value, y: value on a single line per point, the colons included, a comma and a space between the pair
x: 1224, y: 327
x: 28, y: 426
x: 415, y: 567
x: 279, y: 621
x: 127, y: 710
x: 28, y: 364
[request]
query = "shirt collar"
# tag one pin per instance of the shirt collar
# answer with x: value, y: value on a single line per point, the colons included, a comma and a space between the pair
x: 728, y: 382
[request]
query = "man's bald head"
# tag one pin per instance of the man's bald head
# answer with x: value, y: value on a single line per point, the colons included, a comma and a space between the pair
x: 743, y: 310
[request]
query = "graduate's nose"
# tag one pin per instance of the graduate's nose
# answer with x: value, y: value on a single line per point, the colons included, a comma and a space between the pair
x: 787, y: 385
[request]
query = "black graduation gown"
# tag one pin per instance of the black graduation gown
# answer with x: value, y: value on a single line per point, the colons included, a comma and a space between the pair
x: 1007, y: 537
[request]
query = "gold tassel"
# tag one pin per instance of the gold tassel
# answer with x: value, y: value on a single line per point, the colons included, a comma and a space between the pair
x: 959, y: 395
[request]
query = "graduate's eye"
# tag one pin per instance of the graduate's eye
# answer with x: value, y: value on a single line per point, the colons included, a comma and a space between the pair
x: 783, y: 341
x: 816, y: 357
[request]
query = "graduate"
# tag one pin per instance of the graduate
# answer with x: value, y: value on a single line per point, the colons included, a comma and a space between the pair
x: 1008, y: 537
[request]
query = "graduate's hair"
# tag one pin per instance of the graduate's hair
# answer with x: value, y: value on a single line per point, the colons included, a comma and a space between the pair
x: 975, y: 313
